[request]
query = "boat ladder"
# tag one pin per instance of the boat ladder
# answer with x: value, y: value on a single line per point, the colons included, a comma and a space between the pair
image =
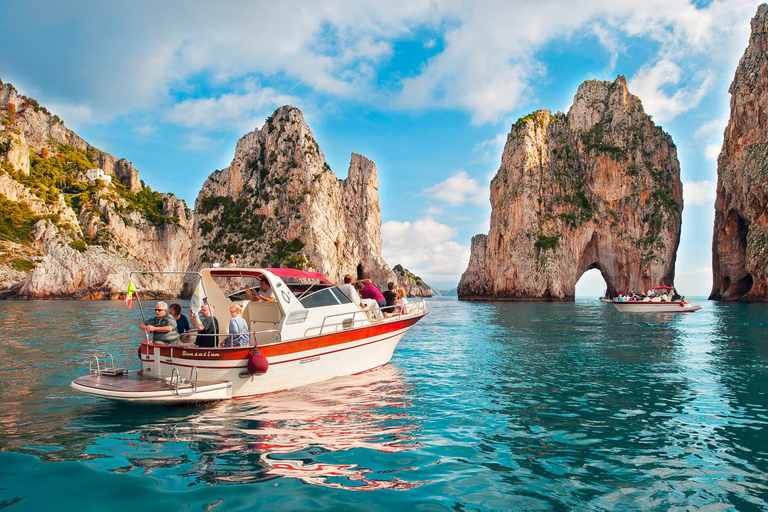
x: 175, y: 379
x: 109, y: 366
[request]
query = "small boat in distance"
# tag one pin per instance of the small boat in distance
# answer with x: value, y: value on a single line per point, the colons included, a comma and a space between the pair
x: 662, y: 299
x: 311, y: 333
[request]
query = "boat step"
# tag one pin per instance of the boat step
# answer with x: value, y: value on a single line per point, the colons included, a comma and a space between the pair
x: 114, y: 372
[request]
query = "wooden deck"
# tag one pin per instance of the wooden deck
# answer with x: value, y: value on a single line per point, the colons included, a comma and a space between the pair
x: 134, y: 387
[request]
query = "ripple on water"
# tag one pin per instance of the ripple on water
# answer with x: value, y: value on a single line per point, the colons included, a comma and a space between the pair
x: 484, y: 406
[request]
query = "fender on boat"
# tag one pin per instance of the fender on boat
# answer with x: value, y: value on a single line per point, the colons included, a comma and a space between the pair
x: 257, y: 363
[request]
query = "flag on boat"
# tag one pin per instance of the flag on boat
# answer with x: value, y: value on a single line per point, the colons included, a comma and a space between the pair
x: 129, y: 294
x: 197, y: 299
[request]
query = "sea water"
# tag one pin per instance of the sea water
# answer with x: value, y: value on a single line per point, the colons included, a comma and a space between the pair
x: 484, y: 406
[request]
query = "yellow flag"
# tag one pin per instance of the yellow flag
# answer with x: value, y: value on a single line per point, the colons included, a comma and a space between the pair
x: 129, y: 294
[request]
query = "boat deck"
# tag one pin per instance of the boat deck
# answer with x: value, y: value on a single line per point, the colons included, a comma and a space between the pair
x: 132, y: 386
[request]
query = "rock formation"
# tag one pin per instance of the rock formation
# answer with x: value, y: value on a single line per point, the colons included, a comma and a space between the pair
x: 415, y: 286
x: 80, y: 237
x: 740, y: 240
x: 280, y: 204
x: 596, y: 188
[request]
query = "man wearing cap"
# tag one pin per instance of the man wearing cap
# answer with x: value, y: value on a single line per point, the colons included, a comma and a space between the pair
x: 162, y: 326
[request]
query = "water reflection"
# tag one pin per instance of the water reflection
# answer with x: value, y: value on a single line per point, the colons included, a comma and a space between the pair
x: 300, y: 434
x: 485, y: 406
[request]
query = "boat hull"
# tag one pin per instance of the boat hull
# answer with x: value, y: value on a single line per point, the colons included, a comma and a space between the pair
x: 656, y: 307
x: 223, y: 373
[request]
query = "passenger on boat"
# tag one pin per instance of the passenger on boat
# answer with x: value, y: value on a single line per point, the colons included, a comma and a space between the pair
x: 207, y: 329
x: 162, y: 326
x: 182, y: 324
x: 265, y: 293
x: 390, y: 296
x: 349, y: 290
x: 369, y: 291
x: 238, y: 329
x: 401, y: 303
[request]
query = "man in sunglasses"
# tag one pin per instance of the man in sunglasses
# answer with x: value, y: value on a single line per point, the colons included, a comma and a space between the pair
x: 162, y: 326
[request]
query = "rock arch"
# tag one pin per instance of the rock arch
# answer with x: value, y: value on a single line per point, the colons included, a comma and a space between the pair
x: 596, y: 188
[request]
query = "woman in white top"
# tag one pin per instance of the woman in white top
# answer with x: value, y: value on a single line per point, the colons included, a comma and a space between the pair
x: 401, y: 302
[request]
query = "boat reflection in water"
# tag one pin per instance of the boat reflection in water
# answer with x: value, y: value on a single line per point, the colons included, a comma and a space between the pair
x: 311, y: 434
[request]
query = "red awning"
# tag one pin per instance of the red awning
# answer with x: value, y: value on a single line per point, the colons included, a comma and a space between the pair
x: 279, y: 272
x: 292, y: 272
x: 663, y: 287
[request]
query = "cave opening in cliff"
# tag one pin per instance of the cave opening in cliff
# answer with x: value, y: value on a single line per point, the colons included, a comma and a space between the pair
x: 591, y: 284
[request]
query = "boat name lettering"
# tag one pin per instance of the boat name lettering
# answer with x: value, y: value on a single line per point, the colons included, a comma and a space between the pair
x: 309, y: 360
x: 207, y: 353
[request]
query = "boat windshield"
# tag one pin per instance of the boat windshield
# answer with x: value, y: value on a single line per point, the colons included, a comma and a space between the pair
x: 325, y: 297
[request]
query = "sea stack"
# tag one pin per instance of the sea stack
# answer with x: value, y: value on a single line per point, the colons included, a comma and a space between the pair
x: 280, y: 204
x: 740, y: 239
x: 596, y: 188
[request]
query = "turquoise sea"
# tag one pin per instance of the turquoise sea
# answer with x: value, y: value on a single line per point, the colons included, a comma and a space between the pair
x: 485, y: 406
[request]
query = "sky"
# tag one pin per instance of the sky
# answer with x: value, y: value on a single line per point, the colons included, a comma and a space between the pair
x: 428, y: 90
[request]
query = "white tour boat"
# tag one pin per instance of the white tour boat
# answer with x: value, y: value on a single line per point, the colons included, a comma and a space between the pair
x: 312, y: 332
x: 666, y: 300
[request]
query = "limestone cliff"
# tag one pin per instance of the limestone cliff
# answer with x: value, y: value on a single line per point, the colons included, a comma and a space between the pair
x: 740, y: 239
x: 64, y: 235
x: 280, y: 204
x: 596, y: 188
x: 277, y: 204
x: 413, y: 284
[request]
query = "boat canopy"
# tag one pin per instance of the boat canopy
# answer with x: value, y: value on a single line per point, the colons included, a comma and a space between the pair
x: 279, y: 272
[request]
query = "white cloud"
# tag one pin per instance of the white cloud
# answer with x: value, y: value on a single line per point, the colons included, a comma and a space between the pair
x: 459, y: 190
x: 714, y: 127
x: 712, y: 151
x: 491, y: 149
x: 701, y: 271
x: 699, y: 192
x: 487, y: 65
x: 650, y: 84
x: 425, y: 248
x: 228, y: 110
x: 696, y: 282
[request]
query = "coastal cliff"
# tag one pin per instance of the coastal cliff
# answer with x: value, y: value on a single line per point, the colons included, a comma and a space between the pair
x: 280, y: 204
x: 740, y: 238
x: 65, y: 235
x: 76, y: 220
x: 596, y: 188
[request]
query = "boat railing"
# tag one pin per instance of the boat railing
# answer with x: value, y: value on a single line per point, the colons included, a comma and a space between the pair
x: 359, y: 318
x: 252, y: 335
x: 175, y: 380
x: 339, y: 322
x: 109, y: 365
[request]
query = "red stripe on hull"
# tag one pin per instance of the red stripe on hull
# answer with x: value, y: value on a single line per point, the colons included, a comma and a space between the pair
x: 174, y: 363
x: 288, y: 347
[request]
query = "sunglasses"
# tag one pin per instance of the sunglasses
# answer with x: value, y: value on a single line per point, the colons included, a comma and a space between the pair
x: 159, y: 310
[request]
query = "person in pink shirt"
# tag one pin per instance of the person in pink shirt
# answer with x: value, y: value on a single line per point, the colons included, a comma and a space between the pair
x: 369, y: 291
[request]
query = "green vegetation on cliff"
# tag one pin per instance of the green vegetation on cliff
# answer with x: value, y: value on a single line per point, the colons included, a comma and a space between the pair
x: 408, y: 275
x: 62, y: 174
x: 16, y: 220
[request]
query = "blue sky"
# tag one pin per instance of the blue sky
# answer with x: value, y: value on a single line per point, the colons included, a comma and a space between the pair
x: 428, y: 90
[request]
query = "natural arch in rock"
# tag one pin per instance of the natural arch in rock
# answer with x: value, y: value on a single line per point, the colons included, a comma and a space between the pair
x: 591, y: 283
x: 596, y: 188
